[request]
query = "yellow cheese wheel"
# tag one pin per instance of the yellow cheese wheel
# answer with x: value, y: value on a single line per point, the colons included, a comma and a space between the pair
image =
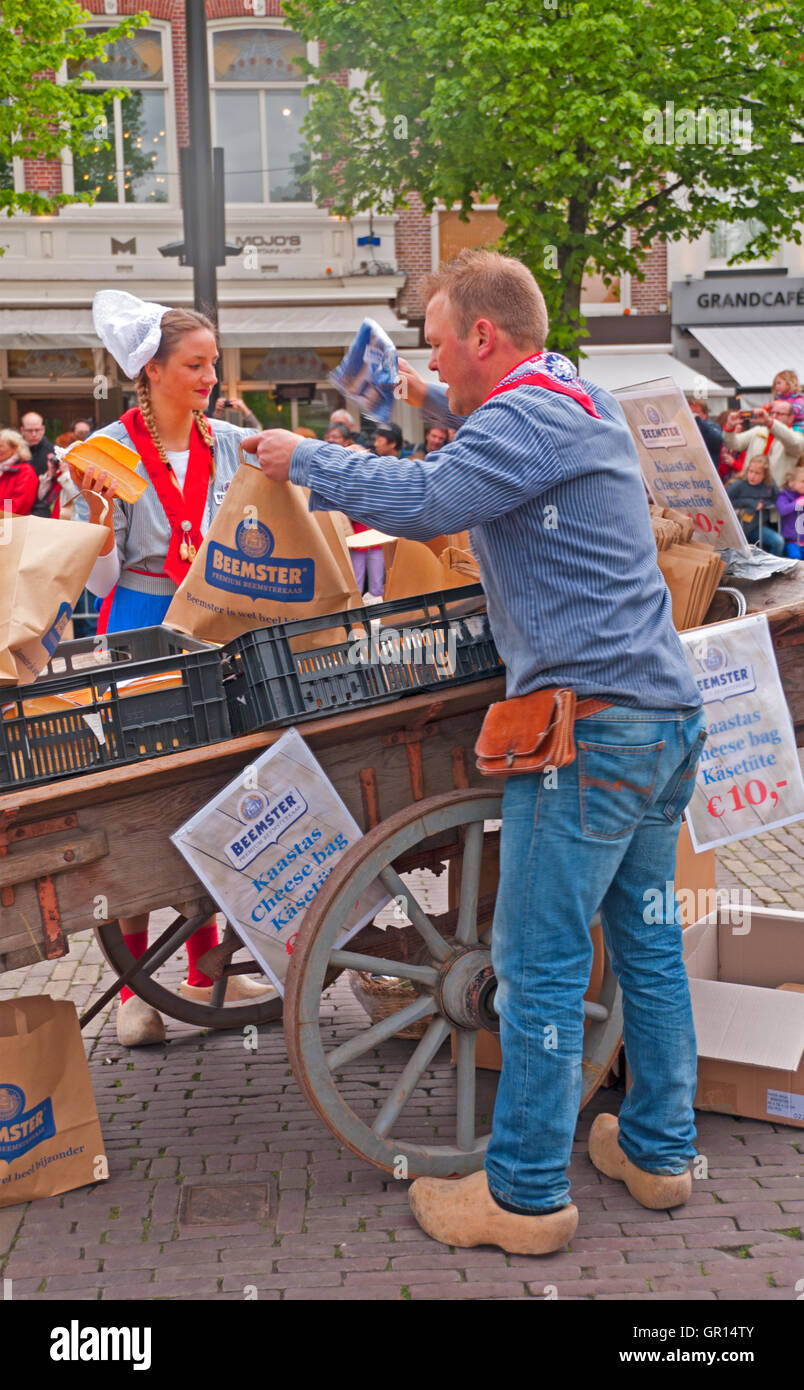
x: 117, y: 460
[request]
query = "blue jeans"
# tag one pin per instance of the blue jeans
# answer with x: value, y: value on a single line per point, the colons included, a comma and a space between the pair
x: 771, y: 541
x: 597, y: 834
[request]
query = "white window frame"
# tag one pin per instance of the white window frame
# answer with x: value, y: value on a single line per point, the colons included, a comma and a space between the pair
x: 721, y: 262
x: 227, y: 25
x: 166, y: 86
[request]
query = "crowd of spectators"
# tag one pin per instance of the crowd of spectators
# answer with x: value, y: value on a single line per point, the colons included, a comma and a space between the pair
x: 759, y: 454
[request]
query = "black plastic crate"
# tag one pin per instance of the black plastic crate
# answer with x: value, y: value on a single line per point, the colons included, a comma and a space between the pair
x: 442, y: 639
x: 108, y: 726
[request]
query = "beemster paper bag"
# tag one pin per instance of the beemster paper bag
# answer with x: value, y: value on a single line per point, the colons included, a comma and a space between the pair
x: 263, y: 560
x: 50, y: 1138
x: 44, y: 566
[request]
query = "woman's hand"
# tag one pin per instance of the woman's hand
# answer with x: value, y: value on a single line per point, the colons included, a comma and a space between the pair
x: 99, y: 488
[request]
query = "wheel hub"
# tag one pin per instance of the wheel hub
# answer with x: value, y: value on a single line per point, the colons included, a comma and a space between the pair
x: 466, y: 989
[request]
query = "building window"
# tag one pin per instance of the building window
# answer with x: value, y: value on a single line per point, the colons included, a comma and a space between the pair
x: 258, y: 107
x: 134, y: 167
x: 728, y: 239
x: 52, y: 363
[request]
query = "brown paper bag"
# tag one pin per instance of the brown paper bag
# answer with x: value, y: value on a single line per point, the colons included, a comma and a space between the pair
x: 44, y: 566
x: 263, y: 560
x: 416, y: 570
x: 461, y: 562
x: 50, y: 1138
x: 335, y: 527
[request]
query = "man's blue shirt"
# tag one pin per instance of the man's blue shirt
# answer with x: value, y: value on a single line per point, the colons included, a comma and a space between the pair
x: 559, y: 522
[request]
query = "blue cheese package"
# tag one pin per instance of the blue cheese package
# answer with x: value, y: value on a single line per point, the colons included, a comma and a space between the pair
x: 368, y: 373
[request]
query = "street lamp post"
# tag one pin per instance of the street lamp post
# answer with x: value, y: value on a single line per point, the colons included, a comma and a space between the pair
x: 198, y: 187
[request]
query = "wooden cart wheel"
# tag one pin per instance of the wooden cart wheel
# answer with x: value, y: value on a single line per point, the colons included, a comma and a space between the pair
x: 167, y: 1001
x: 382, y: 1117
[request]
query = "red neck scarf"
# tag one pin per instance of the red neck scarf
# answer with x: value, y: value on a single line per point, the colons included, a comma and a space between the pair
x: 552, y: 371
x: 179, y: 506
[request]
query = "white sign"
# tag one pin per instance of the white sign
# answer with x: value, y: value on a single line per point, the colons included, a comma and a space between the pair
x: 675, y: 462
x: 749, y: 779
x: 265, y: 845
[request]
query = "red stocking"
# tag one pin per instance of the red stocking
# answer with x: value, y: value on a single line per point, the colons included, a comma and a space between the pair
x: 202, y: 940
x: 137, y: 942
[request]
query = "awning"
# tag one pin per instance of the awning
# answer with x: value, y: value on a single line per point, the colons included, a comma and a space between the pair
x: 753, y: 355
x: 615, y: 369
x: 315, y: 326
x: 47, y: 328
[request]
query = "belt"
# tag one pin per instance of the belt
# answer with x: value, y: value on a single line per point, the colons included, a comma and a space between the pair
x: 143, y: 582
x: 592, y: 705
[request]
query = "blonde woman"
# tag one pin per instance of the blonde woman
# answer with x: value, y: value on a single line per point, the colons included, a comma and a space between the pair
x: 18, y: 481
x: 189, y: 462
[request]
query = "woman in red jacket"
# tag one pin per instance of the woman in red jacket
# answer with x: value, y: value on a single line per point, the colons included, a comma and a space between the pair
x: 18, y: 480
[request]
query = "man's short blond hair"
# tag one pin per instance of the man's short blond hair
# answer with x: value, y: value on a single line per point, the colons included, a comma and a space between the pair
x: 486, y: 285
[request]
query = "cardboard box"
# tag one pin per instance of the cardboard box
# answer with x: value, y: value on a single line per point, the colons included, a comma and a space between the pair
x: 748, y: 1020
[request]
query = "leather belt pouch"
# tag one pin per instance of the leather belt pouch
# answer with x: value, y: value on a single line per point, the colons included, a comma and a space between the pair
x: 528, y: 733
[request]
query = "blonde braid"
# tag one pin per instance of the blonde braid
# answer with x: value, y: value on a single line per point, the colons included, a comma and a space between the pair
x: 205, y: 430
x: 144, y: 398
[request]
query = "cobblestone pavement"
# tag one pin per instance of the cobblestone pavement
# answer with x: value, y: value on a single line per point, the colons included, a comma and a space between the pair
x: 204, y: 1111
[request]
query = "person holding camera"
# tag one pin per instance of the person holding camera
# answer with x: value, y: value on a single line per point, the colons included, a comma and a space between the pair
x: 769, y: 433
x: 250, y: 420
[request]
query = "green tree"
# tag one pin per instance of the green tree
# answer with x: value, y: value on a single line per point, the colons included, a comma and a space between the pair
x: 583, y: 121
x: 38, y: 117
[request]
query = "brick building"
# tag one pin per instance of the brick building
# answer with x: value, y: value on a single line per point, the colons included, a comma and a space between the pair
x: 291, y: 302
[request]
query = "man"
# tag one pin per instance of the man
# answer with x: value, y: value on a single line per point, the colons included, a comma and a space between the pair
x: 710, y: 430
x: 388, y: 441
x: 434, y: 438
x: 544, y: 470
x: 32, y: 429
x: 772, y: 435
x: 339, y: 433
x: 82, y: 429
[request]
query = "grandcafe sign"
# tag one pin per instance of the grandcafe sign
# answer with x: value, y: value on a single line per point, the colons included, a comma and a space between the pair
x: 738, y: 299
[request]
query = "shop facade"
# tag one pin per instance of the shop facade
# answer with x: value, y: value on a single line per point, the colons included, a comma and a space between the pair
x: 289, y: 303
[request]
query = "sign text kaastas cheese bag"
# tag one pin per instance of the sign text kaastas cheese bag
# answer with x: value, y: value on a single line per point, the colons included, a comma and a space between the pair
x: 264, y: 560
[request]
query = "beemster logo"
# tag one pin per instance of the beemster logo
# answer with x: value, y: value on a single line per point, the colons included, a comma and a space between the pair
x: 21, y: 1129
x: 253, y: 569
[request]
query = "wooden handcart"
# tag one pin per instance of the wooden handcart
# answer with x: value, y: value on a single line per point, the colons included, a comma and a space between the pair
x: 91, y: 849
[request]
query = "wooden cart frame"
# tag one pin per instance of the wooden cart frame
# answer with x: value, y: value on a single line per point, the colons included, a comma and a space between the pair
x: 88, y: 850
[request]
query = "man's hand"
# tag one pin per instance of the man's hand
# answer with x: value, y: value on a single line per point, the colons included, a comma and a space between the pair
x: 274, y: 449
x: 410, y: 387
x: 763, y: 418
x: 732, y: 423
